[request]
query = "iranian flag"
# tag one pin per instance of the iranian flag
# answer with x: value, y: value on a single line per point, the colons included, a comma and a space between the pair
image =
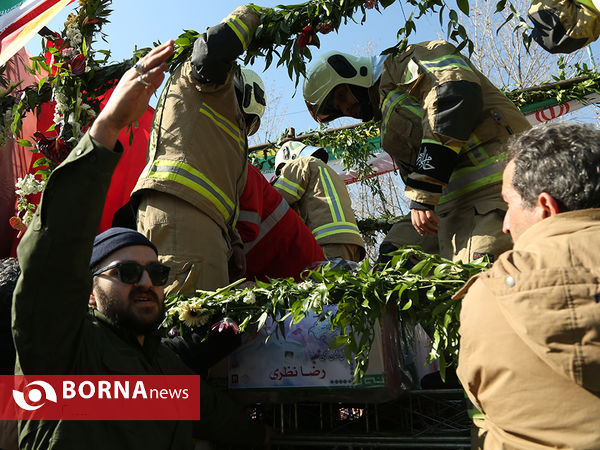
x: 20, y: 20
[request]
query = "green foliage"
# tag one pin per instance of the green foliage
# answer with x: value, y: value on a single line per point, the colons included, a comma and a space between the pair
x: 418, y: 285
x: 587, y: 81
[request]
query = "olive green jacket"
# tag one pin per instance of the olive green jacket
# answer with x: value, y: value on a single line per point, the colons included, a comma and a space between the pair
x: 55, y: 333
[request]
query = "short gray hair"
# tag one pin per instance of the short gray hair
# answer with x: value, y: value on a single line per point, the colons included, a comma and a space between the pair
x: 562, y: 159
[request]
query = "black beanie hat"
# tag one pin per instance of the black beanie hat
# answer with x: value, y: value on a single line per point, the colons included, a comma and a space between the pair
x: 113, y: 239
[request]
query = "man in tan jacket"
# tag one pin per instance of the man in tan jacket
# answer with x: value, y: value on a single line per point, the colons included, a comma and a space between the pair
x: 530, y: 326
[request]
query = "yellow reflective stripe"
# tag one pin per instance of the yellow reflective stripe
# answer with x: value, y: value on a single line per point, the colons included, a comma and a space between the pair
x: 475, y: 414
x: 589, y: 4
x: 335, y: 228
x: 224, y: 124
x: 431, y: 141
x: 445, y: 62
x: 294, y: 189
x: 240, y: 29
x: 333, y: 200
x: 406, y: 101
x: 474, y: 151
x: 470, y: 178
x: 192, y: 178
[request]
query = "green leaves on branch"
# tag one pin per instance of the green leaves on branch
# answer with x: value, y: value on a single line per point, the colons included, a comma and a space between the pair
x: 418, y: 285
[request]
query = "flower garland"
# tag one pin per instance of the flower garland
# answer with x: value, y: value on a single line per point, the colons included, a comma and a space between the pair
x: 420, y: 285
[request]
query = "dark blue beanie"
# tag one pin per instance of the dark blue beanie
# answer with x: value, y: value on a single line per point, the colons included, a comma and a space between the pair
x: 113, y: 239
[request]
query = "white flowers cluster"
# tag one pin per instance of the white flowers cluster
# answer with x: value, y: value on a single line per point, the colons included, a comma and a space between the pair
x: 87, y: 109
x: 69, y: 52
x: 29, y: 185
x: 74, y: 35
x: 249, y: 298
x: 26, y: 186
x: 62, y: 104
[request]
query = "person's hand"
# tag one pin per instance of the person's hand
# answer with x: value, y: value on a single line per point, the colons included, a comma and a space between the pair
x: 130, y: 98
x: 237, y: 263
x: 424, y: 221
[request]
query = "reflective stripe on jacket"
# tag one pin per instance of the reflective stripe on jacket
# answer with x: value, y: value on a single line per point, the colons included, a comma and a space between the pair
x: 412, y: 87
x: 198, y: 146
x: 322, y: 200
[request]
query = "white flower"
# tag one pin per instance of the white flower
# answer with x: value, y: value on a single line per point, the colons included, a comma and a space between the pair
x: 249, y: 298
x: 28, y: 217
x: 193, y: 316
x: 74, y: 36
x: 305, y: 286
x: 69, y: 52
x: 29, y: 185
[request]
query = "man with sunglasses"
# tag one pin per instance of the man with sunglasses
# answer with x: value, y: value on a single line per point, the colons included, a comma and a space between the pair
x: 54, y: 331
x: 188, y: 194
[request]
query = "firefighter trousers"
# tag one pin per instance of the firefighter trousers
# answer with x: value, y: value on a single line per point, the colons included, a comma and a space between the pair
x: 188, y: 241
x: 349, y: 252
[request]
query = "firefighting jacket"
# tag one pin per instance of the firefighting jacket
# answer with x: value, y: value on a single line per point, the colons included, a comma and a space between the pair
x: 277, y: 244
x: 564, y: 26
x: 198, y: 147
x: 530, y: 338
x: 443, y: 122
x: 322, y: 201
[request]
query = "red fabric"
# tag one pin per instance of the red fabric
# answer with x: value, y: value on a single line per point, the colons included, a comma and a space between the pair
x: 15, y: 160
x: 288, y: 248
x: 124, y: 178
x: 129, y: 168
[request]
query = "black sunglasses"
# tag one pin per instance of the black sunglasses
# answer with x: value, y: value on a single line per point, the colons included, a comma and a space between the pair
x: 131, y: 272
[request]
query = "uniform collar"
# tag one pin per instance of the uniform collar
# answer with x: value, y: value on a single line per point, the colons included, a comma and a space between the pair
x: 563, y: 223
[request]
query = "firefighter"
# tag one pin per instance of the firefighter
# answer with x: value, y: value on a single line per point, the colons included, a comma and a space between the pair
x: 443, y: 123
x: 277, y: 244
x: 564, y: 26
x: 197, y: 163
x: 320, y: 196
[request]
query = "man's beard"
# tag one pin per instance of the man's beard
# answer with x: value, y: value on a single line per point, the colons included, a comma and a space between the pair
x: 122, y: 315
x: 366, y: 108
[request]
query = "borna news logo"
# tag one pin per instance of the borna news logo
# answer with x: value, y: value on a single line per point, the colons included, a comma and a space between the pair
x: 100, y: 397
x: 31, y: 398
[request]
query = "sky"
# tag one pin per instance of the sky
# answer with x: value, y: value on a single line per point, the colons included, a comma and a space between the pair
x: 143, y: 22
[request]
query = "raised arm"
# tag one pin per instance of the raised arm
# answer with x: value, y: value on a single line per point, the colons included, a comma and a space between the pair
x: 50, y: 300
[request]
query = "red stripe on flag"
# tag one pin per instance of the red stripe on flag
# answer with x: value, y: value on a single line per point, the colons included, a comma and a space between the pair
x: 28, y: 17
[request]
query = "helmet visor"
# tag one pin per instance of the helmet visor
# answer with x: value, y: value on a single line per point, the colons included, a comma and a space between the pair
x: 252, y: 123
x: 325, y: 113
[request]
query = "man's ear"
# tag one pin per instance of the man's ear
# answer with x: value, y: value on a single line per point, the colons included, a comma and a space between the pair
x: 92, y: 300
x: 547, y: 205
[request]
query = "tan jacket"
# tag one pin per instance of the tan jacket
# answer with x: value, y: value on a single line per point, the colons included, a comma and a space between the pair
x: 413, y: 87
x: 322, y: 200
x: 564, y: 26
x: 198, y: 146
x: 530, y: 338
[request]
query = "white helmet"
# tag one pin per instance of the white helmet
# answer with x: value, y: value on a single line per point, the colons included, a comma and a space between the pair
x: 295, y: 149
x: 251, y: 96
x: 333, y: 69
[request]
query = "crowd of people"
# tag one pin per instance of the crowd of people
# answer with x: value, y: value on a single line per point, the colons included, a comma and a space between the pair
x: 476, y: 175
